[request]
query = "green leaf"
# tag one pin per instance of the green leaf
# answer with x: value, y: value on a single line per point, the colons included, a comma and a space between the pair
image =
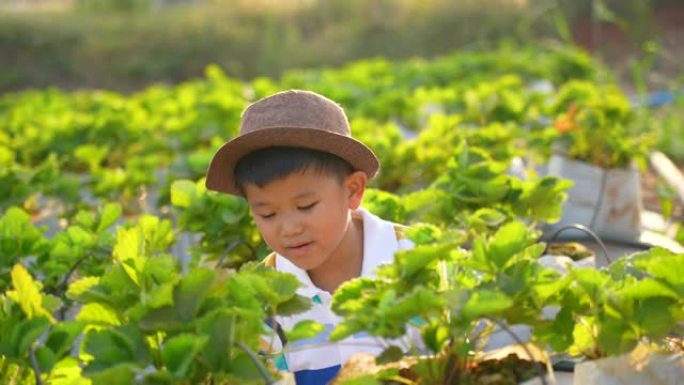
x: 46, y: 359
x: 219, y: 327
x: 435, y: 335
x: 27, y: 294
x: 98, y: 314
x: 163, y: 319
x: 305, y: 329
x: 26, y: 333
x: 423, y: 233
x: 648, y: 288
x: 559, y: 332
x: 510, y: 239
x: 67, y: 372
x: 117, y: 374
x: 486, y: 303
x: 191, y: 291
x: 669, y: 268
x: 179, y: 352
x: 297, y: 304
x: 114, y: 347
x: 391, y: 354
x: 128, y: 251
x: 544, y: 198
x: 615, y: 336
x: 77, y: 288
x: 183, y: 192
x: 412, y: 261
x: 111, y: 213
x: 346, y: 328
x: 421, y: 301
x: 656, y: 316
x: 62, y: 336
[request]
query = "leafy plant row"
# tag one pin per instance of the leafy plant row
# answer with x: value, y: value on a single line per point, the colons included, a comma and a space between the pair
x: 89, y: 146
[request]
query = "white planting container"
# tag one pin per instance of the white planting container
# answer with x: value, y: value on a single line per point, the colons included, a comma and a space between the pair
x: 608, y: 201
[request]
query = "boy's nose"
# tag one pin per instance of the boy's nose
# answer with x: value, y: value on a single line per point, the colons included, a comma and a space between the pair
x: 292, y: 228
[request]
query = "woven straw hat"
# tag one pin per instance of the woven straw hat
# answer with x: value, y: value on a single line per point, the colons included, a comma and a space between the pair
x: 294, y: 119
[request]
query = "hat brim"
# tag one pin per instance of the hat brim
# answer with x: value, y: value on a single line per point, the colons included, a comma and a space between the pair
x: 221, y: 177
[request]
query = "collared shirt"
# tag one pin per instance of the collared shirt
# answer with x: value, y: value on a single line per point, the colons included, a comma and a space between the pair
x: 317, y: 360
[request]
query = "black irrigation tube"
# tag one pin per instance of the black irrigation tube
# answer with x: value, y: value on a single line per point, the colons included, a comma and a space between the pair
x: 585, y: 230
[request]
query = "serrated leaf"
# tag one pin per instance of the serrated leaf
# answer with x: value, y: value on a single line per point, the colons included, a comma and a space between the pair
x: 111, y: 213
x: 67, y: 372
x: 27, y: 294
x: 485, y: 303
x: 62, y: 336
x: 346, y: 328
x: 510, y: 239
x: 219, y: 327
x: 164, y: 319
x: 305, y: 329
x: 295, y: 305
x: 179, y: 352
x: 191, y: 291
x: 648, y: 288
x: 118, y: 374
x: 98, y: 314
x: 113, y: 347
x: 25, y: 333
x: 77, y: 288
x: 128, y: 251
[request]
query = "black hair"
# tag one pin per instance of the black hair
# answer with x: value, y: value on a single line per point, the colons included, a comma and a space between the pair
x: 266, y: 165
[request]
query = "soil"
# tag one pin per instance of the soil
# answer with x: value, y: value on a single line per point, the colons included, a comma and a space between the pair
x: 507, y: 370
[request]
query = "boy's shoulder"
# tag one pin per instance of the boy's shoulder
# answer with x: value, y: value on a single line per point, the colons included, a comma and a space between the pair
x: 270, y: 260
x: 400, y: 230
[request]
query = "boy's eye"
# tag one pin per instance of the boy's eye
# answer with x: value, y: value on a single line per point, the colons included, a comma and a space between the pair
x: 307, y: 207
x: 267, y: 216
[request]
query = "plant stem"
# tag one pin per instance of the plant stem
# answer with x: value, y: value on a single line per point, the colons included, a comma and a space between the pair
x: 542, y: 375
x: 262, y: 370
x: 34, y: 365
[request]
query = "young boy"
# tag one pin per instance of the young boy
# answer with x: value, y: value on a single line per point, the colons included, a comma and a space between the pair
x: 304, y: 176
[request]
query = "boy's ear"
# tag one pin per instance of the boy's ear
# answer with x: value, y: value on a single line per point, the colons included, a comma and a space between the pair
x: 355, y: 184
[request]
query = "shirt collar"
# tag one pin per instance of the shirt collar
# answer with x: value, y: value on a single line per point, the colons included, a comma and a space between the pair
x: 379, y: 246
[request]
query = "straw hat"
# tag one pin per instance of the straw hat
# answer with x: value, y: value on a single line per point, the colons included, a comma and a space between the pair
x: 294, y: 119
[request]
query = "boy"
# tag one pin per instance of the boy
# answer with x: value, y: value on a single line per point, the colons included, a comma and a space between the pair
x: 304, y: 177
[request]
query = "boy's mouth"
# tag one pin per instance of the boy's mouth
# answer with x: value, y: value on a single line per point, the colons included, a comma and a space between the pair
x: 300, y: 247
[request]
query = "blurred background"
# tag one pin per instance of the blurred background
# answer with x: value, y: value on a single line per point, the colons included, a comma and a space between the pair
x: 126, y: 45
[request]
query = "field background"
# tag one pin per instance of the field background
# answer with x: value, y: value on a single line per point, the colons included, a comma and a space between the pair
x: 125, y: 45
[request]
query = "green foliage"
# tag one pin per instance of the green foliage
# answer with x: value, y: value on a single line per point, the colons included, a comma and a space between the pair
x: 477, y: 193
x: 609, y: 311
x: 596, y: 125
x: 445, y: 292
x: 228, y: 234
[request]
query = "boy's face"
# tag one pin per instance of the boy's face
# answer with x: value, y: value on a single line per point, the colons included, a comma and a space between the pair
x: 305, y: 215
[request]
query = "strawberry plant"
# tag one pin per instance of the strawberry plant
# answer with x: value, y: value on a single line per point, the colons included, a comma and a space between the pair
x: 474, y: 183
x: 228, y: 237
x: 138, y: 318
x: 454, y: 297
x: 607, y: 312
